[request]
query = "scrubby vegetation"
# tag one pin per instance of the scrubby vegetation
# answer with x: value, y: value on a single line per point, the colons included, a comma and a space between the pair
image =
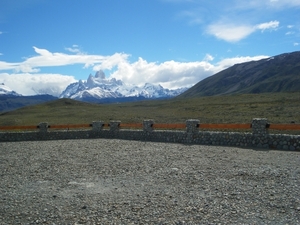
x: 277, y: 107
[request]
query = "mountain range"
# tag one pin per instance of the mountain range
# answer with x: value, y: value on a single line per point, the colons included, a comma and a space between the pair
x: 279, y: 73
x: 96, y: 89
x: 99, y: 89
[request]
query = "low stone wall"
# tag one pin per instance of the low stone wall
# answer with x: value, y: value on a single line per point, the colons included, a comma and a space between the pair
x: 259, y: 138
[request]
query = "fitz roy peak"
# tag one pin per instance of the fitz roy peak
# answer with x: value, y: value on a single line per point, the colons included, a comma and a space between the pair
x: 98, y: 88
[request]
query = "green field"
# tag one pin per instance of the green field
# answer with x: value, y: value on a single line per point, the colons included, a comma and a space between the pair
x: 277, y: 107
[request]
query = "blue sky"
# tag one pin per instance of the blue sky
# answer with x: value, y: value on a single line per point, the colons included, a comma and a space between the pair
x: 45, y: 45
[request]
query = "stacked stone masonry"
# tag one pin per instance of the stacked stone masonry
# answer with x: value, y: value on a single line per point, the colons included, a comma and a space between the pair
x: 258, y: 138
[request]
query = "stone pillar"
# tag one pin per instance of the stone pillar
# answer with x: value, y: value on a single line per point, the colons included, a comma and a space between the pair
x: 43, y: 127
x: 114, y: 125
x: 147, y: 125
x: 259, y: 126
x: 97, y: 125
x: 192, y: 126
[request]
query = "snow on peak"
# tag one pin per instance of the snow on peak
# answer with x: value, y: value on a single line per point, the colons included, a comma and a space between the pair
x: 5, y: 90
x: 100, y: 87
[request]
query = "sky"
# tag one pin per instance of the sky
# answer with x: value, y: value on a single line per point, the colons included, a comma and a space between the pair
x: 45, y: 45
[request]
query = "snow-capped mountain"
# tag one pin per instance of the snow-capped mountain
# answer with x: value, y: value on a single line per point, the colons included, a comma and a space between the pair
x: 4, y: 90
x: 98, y: 87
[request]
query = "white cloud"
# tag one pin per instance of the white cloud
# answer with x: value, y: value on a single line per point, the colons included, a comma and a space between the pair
x: 25, y: 68
x: 208, y: 57
x: 74, y: 49
x: 235, y: 20
x: 170, y: 74
x: 7, y: 66
x: 296, y: 44
x: 32, y: 84
x: 173, y: 74
x: 46, y: 58
x: 272, y: 25
x: 225, y: 63
x: 231, y: 32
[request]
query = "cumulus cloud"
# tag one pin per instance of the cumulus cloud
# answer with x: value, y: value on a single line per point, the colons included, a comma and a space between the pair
x: 172, y: 74
x: 28, y: 80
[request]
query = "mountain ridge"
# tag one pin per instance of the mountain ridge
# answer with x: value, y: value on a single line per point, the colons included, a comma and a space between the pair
x: 12, y: 102
x: 279, y: 73
x: 98, y: 88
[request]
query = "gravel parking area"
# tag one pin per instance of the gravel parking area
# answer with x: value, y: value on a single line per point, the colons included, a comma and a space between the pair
x: 100, y: 181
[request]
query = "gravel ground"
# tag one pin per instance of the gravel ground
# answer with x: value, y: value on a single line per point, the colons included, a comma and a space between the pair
x: 103, y: 181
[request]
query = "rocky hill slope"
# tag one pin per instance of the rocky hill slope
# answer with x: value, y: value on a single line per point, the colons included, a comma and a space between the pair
x: 280, y: 73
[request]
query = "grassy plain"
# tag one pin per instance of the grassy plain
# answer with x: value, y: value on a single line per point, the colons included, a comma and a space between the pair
x: 276, y: 107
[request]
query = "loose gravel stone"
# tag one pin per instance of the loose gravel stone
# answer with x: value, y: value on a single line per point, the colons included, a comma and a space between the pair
x: 99, y: 181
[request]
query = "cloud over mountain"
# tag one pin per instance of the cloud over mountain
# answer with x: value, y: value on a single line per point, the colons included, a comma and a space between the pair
x: 27, y: 79
x: 33, y: 84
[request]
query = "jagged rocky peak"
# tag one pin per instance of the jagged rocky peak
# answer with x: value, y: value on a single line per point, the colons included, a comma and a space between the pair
x: 100, y: 87
x: 100, y: 74
x: 99, y: 77
x: 90, y: 80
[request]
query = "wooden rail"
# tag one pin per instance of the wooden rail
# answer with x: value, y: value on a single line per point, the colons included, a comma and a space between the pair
x: 169, y: 126
x: 284, y: 126
x: 224, y: 126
